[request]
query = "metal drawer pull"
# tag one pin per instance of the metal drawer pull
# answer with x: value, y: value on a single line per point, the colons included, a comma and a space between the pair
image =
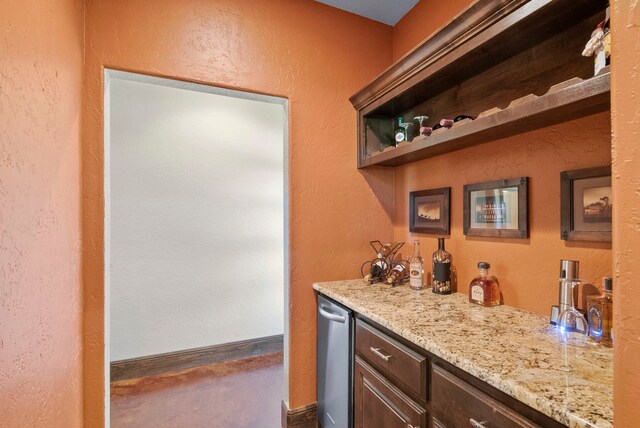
x: 380, y: 354
x: 411, y: 426
x: 476, y: 424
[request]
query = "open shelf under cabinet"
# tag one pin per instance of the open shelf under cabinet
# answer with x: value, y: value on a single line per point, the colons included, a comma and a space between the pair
x: 578, y: 100
x: 513, y: 64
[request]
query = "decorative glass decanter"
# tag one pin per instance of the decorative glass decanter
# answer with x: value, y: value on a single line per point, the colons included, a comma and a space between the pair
x: 441, y: 283
x: 484, y: 289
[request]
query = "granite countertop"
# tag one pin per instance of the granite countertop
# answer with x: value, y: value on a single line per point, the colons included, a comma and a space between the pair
x: 515, y: 351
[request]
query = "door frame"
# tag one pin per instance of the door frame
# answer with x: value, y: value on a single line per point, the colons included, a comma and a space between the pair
x: 102, y: 258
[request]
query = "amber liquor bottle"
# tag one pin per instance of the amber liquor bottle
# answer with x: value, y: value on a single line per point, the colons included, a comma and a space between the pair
x: 441, y: 283
x: 484, y: 289
x: 600, y: 313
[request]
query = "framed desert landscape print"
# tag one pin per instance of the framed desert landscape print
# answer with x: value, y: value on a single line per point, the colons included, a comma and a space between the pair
x: 586, y: 204
x: 497, y: 208
x: 429, y: 211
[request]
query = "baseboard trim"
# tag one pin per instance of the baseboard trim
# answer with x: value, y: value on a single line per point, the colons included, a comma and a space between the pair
x: 180, y: 360
x: 302, y: 417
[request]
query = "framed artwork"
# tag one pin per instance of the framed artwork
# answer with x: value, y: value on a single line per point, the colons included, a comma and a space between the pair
x: 586, y: 204
x: 429, y: 211
x: 497, y: 208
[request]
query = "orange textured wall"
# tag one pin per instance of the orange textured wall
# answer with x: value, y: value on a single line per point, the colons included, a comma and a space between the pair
x: 41, y: 56
x: 540, y: 155
x: 422, y: 20
x: 625, y: 90
x: 527, y: 269
x: 314, y: 55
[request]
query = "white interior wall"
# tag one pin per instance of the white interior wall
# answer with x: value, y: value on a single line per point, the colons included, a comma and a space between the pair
x: 196, y: 195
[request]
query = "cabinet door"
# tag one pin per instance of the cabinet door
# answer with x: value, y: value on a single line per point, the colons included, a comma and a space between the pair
x: 456, y: 403
x: 379, y: 404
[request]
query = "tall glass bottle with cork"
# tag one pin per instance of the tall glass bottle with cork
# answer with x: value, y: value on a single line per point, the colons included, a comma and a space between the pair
x: 441, y: 282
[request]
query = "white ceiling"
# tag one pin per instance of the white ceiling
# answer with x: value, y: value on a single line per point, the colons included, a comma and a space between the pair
x: 386, y: 11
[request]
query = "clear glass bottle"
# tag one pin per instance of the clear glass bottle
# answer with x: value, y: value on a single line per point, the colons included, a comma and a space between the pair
x: 416, y: 268
x: 600, y: 314
x: 376, y: 271
x: 484, y: 289
x: 441, y: 281
x: 400, y: 132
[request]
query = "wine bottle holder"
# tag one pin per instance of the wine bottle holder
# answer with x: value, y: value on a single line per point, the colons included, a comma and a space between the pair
x: 385, y: 264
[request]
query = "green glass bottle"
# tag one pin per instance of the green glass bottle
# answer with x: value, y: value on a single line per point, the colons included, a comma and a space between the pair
x: 400, y: 132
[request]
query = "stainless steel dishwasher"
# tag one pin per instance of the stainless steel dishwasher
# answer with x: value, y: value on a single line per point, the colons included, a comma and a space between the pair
x: 335, y: 364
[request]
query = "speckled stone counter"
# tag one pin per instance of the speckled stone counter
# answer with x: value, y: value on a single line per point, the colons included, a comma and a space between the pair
x: 515, y: 351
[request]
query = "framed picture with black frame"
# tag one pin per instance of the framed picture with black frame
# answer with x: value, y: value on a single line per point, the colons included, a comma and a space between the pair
x: 586, y: 204
x: 497, y: 208
x: 429, y: 211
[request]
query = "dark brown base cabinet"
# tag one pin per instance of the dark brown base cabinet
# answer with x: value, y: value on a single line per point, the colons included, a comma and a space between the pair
x: 380, y: 404
x: 399, y: 385
x: 458, y: 404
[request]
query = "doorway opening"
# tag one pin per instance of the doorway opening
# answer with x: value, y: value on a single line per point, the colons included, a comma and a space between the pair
x: 196, y: 232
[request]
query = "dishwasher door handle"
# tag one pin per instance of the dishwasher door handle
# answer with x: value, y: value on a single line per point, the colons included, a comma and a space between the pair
x: 330, y: 316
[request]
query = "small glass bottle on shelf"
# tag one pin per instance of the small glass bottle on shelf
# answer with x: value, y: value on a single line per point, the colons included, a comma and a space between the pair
x: 416, y: 268
x: 441, y: 281
x: 600, y: 314
x: 400, y: 132
x: 484, y: 289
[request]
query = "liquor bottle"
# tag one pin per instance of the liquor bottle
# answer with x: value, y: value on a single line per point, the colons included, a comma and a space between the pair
x: 375, y: 272
x: 600, y: 311
x: 484, y: 289
x: 400, y: 132
x: 441, y: 282
x: 397, y: 274
x: 416, y: 267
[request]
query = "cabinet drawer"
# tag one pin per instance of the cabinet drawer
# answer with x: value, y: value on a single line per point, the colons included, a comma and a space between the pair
x: 379, y: 404
x: 394, y: 360
x: 457, y: 404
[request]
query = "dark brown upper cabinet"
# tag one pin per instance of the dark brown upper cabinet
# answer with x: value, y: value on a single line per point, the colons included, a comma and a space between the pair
x: 515, y: 65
